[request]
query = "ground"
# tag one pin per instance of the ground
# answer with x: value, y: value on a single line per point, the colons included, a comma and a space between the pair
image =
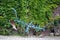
x: 29, y: 38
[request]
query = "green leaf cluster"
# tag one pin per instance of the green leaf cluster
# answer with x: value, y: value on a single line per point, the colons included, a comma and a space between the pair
x: 39, y: 11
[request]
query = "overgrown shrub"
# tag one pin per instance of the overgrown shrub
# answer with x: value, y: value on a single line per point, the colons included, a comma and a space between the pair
x: 39, y: 11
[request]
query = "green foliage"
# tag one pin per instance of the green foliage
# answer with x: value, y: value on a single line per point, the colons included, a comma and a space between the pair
x: 39, y: 11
